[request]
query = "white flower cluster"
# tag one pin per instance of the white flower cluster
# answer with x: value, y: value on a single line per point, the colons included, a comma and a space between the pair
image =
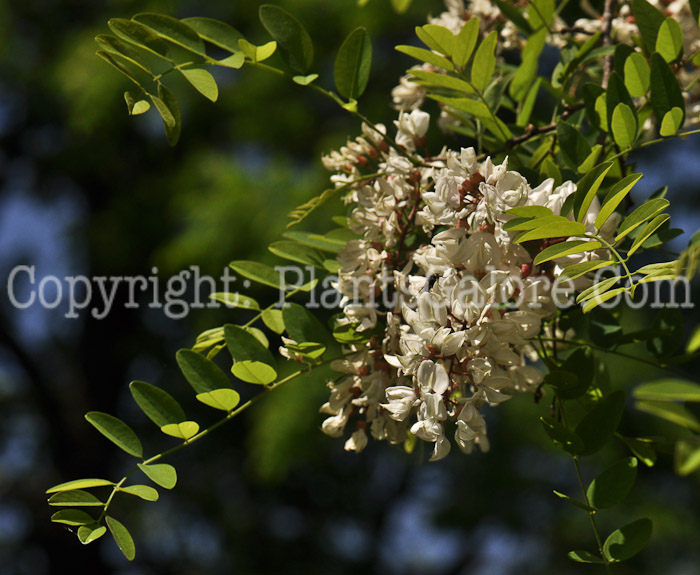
x: 462, y: 302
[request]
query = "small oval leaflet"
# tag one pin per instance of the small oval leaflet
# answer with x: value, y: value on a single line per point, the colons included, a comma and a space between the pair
x: 122, y: 537
x: 116, y: 431
x: 161, y: 474
x: 184, y: 430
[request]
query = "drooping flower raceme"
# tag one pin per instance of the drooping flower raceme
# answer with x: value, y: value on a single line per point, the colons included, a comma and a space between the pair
x: 443, y: 304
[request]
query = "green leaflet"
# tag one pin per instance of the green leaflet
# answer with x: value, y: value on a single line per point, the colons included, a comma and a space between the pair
x: 202, y: 81
x: 294, y: 43
x: 353, y: 64
x: 643, y: 213
x: 563, y: 249
x: 484, y: 63
x: 649, y: 20
x: 215, y: 32
x: 72, y: 517
x: 257, y: 272
x: 122, y: 537
x: 613, y: 484
x: 466, y: 42
x: 79, y: 484
x: 437, y: 38
x: 89, y: 533
x: 236, y: 300
x: 161, y: 474
x: 144, y: 492
x: 637, y: 75
x: 75, y: 498
x: 627, y: 541
x: 624, y: 126
x: 668, y: 390
x: 254, y: 372
x: 670, y: 412
x: 116, y: 431
x: 201, y: 373
x: 223, y: 399
x: 561, y: 436
x: 303, y: 326
x: 669, y: 41
x: 587, y: 188
x: 160, y: 407
x: 558, y: 229
x: 612, y: 200
x: 183, y: 430
x: 527, y: 71
x: 172, y: 30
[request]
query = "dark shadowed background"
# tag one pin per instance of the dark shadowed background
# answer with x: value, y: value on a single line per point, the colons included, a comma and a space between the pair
x: 84, y: 189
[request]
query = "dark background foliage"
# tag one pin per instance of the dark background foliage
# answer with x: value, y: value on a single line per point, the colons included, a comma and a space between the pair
x: 86, y: 190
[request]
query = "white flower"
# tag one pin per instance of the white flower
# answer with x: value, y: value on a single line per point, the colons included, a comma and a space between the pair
x: 400, y: 402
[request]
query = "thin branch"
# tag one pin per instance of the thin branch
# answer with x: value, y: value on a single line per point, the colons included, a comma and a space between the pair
x: 608, y: 13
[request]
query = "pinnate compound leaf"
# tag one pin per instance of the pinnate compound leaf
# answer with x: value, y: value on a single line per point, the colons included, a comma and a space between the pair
x: 161, y: 474
x: 89, y: 533
x: 627, y: 541
x: 353, y: 64
x: 254, y: 372
x: 583, y: 556
x: 144, y: 492
x: 158, y: 405
x: 484, y: 63
x: 613, y: 484
x: 183, y: 430
x: 215, y: 32
x: 116, y: 431
x: 201, y: 373
x: 79, y: 484
x: 222, y: 399
x: 75, y: 498
x: 601, y: 422
x: 122, y: 537
x: 293, y: 41
x: 72, y: 517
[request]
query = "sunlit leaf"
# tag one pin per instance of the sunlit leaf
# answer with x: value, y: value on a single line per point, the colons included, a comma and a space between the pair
x: 484, y: 63
x: 160, y: 407
x: 614, y: 197
x: 72, y: 517
x: 216, y: 32
x: 235, y: 300
x: 669, y: 41
x: 466, y: 42
x: 613, y: 484
x: 75, y: 498
x: 254, y: 372
x: 426, y: 56
x: 182, y: 430
x: 161, y: 474
x: 273, y: 319
x: 223, y: 399
x: 643, y: 213
x: 637, y: 75
x: 79, y: 484
x: 122, y: 537
x: 293, y: 41
x: 564, y: 249
x: 257, y: 272
x: 172, y: 30
x: 144, y: 492
x: 116, y: 431
x: 89, y: 533
x: 202, y: 81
